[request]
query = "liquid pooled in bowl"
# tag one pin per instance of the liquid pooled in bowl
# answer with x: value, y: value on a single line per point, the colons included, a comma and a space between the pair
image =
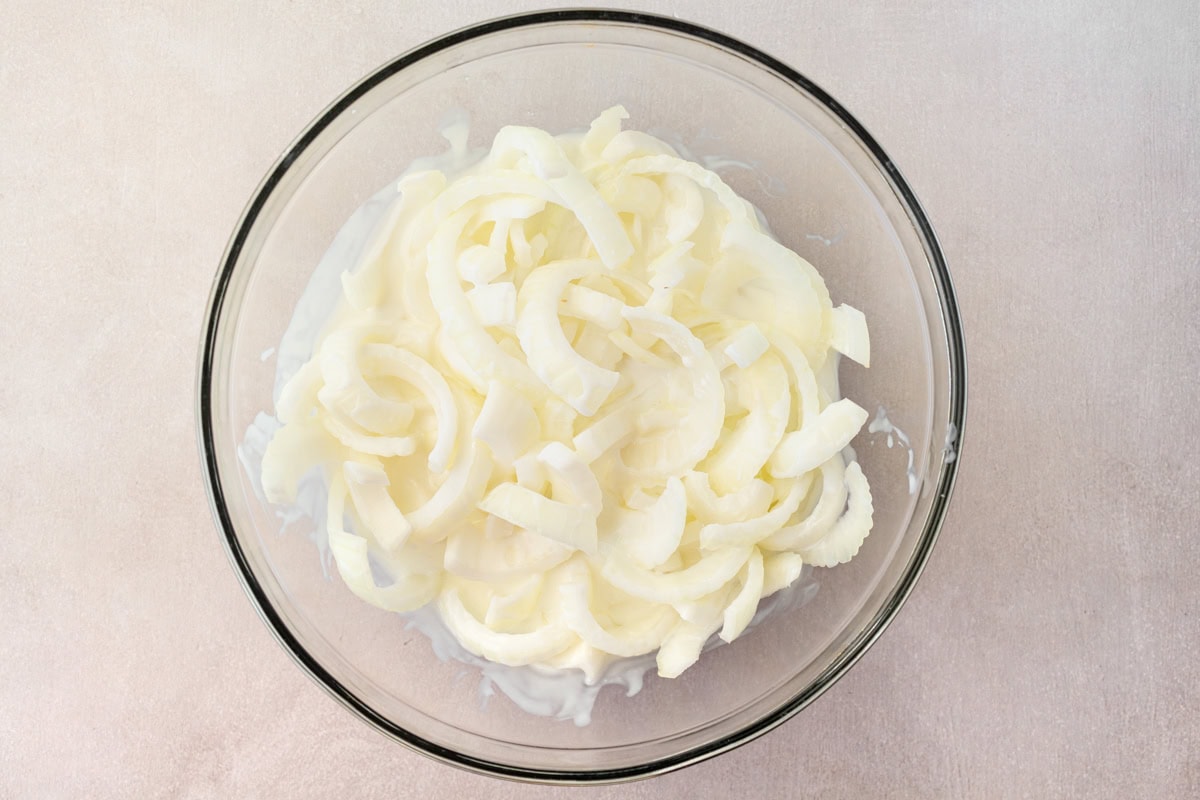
x: 575, y: 400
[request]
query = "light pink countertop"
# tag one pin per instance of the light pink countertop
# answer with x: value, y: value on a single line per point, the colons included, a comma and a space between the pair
x: 1052, y: 647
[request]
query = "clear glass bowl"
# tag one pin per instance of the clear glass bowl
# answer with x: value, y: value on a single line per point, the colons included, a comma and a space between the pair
x: 829, y: 192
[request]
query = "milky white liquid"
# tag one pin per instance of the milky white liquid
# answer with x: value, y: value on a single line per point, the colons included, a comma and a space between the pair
x: 882, y: 424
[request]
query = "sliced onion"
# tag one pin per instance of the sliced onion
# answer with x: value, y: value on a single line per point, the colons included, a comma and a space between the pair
x: 627, y: 145
x: 632, y: 194
x: 748, y: 501
x: 752, y: 531
x: 494, y: 304
x: 848, y: 334
x: 602, y: 130
x: 509, y: 609
x: 531, y: 473
x: 707, y: 575
x: 741, y: 454
x: 738, y: 209
x: 780, y: 570
x: 771, y: 283
x: 480, y: 264
x: 535, y: 298
x: 699, y: 620
x: 342, y: 429
x: 507, y: 423
x: 498, y: 182
x: 581, y: 384
x: 346, y: 389
x: 411, y: 588
x: 594, y: 345
x: 458, y: 494
x: 627, y: 345
x: 558, y: 420
x: 471, y: 341
x: 571, y: 480
x: 741, y: 609
x: 368, y: 485
x: 476, y: 556
x: 679, y: 450
x: 298, y: 396
x: 567, y: 523
x: 576, y: 192
x: 415, y: 370
x: 588, y: 304
x: 804, y: 382
x: 819, y: 440
x: 627, y: 640
x: 681, y: 647
x: 513, y: 649
x: 843, y: 542
x: 508, y: 208
x: 746, y: 345
x: 403, y: 255
x: 648, y: 537
x: 685, y: 206
x: 669, y: 269
x: 291, y: 453
x: 822, y: 517
x: 613, y: 430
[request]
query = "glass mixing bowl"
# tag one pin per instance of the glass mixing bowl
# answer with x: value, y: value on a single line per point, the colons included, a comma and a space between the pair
x: 828, y: 191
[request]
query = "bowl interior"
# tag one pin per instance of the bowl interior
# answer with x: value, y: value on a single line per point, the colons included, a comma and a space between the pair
x: 824, y: 193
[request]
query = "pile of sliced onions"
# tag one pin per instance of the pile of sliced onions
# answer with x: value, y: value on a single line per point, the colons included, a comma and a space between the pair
x: 580, y: 399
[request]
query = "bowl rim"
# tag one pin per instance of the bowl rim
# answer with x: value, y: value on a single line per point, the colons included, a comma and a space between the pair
x: 956, y: 407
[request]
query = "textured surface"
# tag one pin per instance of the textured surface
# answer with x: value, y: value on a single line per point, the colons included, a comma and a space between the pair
x: 1052, y: 647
